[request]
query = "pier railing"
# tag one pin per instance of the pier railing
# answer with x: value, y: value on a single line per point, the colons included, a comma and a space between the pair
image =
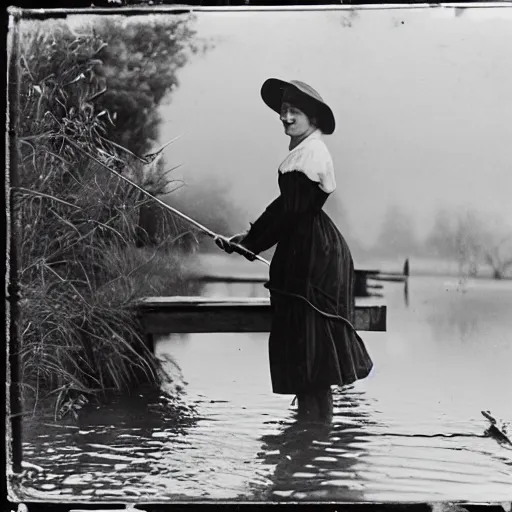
x: 368, y: 282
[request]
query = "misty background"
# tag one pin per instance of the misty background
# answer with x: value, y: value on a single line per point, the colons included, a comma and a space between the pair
x: 422, y: 149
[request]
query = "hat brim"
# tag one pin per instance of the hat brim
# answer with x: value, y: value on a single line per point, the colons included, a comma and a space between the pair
x: 272, y: 94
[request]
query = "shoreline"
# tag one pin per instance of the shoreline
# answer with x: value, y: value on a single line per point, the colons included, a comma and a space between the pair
x: 215, y: 262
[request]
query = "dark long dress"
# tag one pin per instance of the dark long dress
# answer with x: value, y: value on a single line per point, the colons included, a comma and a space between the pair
x: 311, y: 285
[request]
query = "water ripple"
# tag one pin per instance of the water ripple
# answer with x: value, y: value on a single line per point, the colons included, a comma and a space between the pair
x: 400, y: 435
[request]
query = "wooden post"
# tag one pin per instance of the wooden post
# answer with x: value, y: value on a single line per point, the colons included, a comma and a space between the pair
x: 15, y: 405
x: 361, y: 285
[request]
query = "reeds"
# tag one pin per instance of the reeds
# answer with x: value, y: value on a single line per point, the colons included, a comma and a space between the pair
x: 80, y: 269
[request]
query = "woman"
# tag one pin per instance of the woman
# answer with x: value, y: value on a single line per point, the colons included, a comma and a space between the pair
x: 313, y: 344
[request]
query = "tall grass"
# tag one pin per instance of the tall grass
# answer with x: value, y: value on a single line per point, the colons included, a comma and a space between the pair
x: 80, y: 269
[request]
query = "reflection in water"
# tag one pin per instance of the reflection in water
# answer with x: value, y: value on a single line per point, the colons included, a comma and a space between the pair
x: 113, y: 450
x: 470, y: 312
x: 315, y: 460
x: 456, y: 318
x: 411, y: 431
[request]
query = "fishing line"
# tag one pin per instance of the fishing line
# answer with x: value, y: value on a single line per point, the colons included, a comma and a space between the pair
x: 328, y: 315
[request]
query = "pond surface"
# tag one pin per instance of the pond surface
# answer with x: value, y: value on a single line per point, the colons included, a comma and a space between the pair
x: 412, y: 431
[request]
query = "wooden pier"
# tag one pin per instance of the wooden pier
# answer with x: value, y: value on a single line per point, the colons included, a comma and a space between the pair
x: 168, y: 315
x: 162, y: 316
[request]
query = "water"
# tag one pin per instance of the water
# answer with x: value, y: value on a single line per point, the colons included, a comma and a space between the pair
x: 412, y: 431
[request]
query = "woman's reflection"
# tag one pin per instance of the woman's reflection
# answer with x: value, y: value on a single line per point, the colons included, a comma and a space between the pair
x: 315, y: 459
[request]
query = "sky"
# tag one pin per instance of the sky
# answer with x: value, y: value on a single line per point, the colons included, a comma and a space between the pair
x: 422, y: 99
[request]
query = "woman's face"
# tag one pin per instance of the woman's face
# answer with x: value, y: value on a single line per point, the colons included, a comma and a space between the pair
x: 295, y: 122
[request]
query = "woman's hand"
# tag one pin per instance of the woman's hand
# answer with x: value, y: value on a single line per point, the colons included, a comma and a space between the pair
x: 233, y: 244
x: 237, y: 239
x: 224, y: 243
x: 240, y: 249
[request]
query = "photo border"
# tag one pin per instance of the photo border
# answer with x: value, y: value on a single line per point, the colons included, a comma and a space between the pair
x: 13, y: 444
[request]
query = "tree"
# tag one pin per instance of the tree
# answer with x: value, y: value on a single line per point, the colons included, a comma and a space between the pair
x: 469, y: 241
x: 440, y: 242
x: 496, y: 246
x: 472, y: 239
x: 499, y: 257
x: 397, y: 235
x: 140, y: 61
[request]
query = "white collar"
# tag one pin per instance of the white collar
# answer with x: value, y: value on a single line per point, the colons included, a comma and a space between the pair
x: 316, y: 135
x: 312, y: 158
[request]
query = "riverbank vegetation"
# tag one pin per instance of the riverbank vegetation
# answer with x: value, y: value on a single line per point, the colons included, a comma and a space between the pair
x: 88, y: 244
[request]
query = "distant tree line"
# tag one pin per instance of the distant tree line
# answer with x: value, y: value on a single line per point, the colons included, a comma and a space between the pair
x: 472, y: 239
x: 469, y: 238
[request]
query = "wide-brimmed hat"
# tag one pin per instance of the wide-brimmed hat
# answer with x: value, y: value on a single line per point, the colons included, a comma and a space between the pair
x: 272, y: 93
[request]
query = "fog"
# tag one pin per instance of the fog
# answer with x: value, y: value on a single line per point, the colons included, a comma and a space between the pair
x: 422, y: 99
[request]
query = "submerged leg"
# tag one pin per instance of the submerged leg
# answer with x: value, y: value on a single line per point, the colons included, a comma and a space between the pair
x: 308, y: 406
x: 325, y: 405
x: 315, y: 405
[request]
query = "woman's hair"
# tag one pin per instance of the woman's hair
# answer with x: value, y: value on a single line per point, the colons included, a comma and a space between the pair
x: 302, y: 102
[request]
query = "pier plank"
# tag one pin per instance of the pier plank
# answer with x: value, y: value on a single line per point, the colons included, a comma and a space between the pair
x: 164, y: 315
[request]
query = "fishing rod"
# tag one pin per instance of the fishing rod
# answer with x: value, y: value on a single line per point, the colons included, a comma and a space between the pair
x: 188, y: 219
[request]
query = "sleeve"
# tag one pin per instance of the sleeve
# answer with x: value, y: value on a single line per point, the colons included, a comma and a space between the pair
x: 263, y: 222
x: 299, y: 195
